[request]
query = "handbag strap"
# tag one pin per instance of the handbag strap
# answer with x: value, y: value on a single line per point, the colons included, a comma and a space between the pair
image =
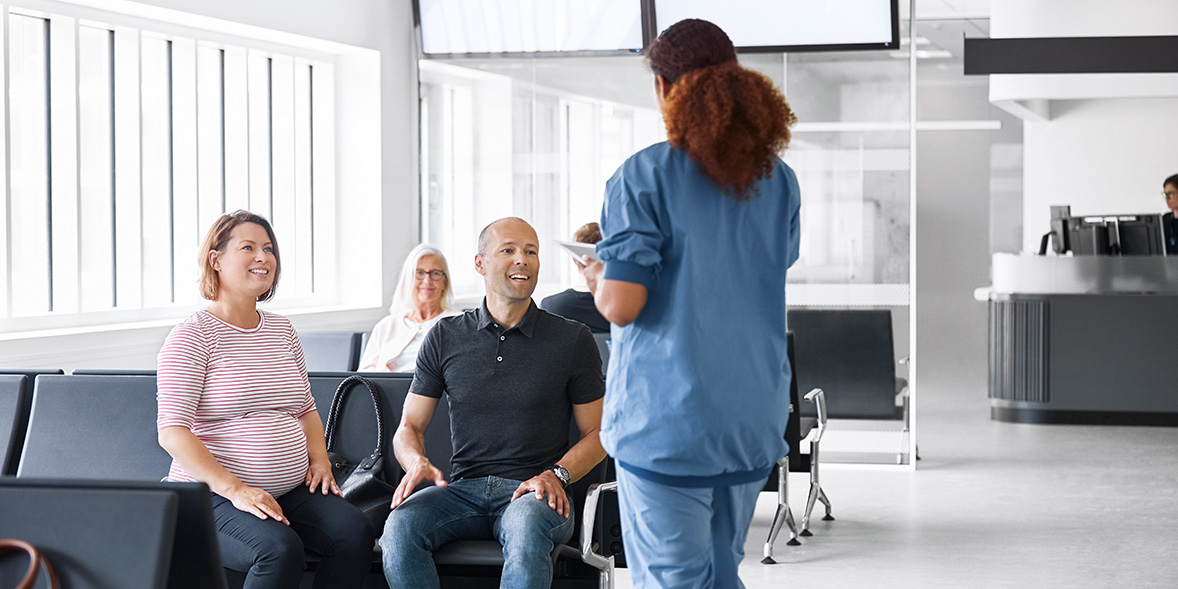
x: 36, y: 560
x: 337, y: 402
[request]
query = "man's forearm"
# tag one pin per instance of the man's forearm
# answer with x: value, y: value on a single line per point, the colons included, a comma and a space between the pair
x: 408, y: 446
x: 584, y: 455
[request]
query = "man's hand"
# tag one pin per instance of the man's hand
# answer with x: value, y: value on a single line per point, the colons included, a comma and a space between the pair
x: 545, y: 484
x: 422, y: 470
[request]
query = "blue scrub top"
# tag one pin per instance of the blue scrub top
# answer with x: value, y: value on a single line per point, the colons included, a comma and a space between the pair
x: 697, y: 390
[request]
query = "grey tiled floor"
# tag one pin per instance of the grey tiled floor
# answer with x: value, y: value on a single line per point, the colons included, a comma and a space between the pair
x: 991, y: 504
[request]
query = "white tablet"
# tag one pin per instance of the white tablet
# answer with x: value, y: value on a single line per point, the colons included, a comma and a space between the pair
x: 579, y: 250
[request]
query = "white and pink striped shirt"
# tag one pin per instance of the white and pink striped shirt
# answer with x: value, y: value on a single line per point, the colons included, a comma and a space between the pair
x: 241, y: 392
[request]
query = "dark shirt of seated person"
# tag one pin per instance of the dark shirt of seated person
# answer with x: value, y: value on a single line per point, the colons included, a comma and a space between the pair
x: 236, y: 413
x: 515, y: 374
x: 576, y: 304
x: 1170, y: 220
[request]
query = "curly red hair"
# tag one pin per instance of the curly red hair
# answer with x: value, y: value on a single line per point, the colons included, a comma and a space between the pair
x: 731, y: 121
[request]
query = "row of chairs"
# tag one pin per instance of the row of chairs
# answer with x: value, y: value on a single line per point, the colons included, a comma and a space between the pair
x: 59, y: 444
x: 87, y: 428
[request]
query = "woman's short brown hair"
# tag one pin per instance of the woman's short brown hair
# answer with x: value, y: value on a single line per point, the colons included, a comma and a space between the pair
x: 217, y: 239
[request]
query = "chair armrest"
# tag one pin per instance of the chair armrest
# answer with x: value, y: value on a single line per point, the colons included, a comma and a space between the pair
x: 818, y: 397
x: 592, y: 501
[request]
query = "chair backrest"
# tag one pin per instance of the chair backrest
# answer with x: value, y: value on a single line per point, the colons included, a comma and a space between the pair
x: 93, y: 427
x: 195, y: 557
x: 602, y: 340
x: 325, y: 351
x: 21, y: 419
x: 15, y: 401
x: 113, y: 372
x: 848, y: 354
x: 93, y: 537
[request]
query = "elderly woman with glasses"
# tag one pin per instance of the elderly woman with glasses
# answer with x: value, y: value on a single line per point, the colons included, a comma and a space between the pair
x: 423, y: 296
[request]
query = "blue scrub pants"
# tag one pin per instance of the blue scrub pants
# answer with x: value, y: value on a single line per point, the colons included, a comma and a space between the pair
x: 684, y: 536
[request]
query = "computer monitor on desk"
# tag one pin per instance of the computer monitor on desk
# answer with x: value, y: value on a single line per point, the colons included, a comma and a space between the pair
x: 1140, y: 235
x: 1104, y: 235
x: 1089, y: 236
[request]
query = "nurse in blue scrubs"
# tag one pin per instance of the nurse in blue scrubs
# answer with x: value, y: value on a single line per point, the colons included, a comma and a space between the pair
x: 698, y: 233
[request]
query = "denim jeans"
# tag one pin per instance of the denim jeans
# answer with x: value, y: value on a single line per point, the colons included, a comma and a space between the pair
x: 683, y: 537
x: 271, y: 552
x: 473, y: 509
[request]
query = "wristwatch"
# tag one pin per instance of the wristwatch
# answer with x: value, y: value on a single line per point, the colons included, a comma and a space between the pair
x: 561, y: 473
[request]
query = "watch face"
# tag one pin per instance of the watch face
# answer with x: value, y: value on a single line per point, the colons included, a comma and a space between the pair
x: 561, y: 473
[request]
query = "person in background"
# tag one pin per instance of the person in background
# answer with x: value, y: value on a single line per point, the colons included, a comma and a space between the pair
x: 423, y: 296
x: 235, y: 412
x: 698, y: 233
x: 578, y: 304
x: 1170, y: 219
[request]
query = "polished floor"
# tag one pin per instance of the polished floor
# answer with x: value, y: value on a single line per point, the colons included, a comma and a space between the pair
x: 991, y: 504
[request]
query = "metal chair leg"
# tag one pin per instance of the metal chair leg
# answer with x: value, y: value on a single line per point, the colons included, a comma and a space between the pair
x: 816, y: 493
x: 783, y: 515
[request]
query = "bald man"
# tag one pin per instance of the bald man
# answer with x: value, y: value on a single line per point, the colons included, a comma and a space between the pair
x: 515, y: 375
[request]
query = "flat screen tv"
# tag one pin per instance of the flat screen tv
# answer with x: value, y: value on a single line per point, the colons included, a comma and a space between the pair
x: 481, y: 28
x: 775, y: 26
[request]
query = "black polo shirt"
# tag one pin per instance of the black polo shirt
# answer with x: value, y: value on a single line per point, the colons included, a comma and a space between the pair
x: 511, y: 392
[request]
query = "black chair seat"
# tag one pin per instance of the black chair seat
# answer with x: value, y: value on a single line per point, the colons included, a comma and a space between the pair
x: 470, y: 552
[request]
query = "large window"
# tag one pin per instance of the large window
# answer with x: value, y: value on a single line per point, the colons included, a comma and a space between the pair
x: 510, y: 138
x: 125, y: 142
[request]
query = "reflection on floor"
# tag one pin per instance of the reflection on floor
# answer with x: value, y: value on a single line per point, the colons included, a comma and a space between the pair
x: 990, y: 504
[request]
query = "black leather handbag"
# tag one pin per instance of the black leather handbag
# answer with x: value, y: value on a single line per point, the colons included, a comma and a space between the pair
x: 363, y: 482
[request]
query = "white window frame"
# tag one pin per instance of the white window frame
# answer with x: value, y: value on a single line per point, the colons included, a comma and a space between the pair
x: 314, y: 262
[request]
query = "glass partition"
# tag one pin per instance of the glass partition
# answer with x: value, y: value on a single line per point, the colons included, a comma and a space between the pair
x: 538, y: 138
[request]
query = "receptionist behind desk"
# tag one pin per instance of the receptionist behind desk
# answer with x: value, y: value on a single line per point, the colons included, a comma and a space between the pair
x: 1170, y: 219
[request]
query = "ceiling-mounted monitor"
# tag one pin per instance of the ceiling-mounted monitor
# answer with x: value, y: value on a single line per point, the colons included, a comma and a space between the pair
x: 764, y: 26
x: 482, y: 28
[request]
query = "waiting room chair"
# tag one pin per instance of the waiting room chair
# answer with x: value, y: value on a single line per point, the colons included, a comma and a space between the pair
x: 849, y: 354
x: 14, y: 420
x: 602, y: 340
x: 20, y: 404
x: 195, y: 560
x: 113, y: 372
x: 93, y: 537
x: 797, y: 429
x: 330, y: 350
x: 94, y: 427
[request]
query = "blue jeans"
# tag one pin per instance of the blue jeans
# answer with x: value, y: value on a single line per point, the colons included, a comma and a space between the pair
x: 271, y: 552
x: 683, y: 537
x: 473, y: 509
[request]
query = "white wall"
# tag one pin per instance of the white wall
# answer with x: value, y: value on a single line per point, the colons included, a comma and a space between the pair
x: 385, y: 26
x: 1101, y: 157
x: 1108, y: 141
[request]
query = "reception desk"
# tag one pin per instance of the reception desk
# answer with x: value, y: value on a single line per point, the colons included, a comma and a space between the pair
x: 1084, y: 339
